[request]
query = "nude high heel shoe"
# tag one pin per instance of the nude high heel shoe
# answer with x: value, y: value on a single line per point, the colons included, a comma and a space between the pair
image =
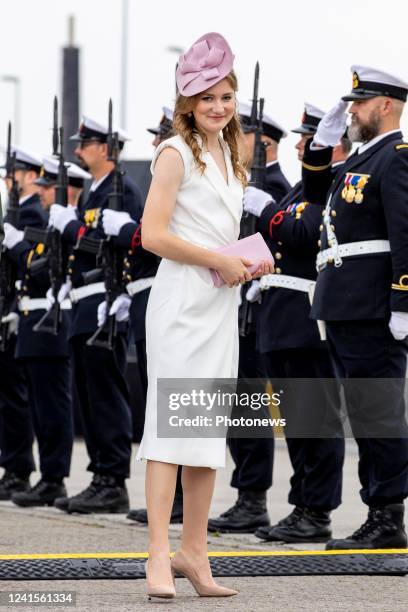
x: 180, y: 564
x: 160, y: 593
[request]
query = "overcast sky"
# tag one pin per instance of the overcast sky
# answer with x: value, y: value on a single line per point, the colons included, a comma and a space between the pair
x: 305, y: 50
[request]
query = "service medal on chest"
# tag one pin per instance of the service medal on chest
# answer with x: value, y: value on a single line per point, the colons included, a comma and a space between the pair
x: 353, y: 188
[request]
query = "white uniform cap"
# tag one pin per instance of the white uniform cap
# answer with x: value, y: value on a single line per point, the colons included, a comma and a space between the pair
x: 26, y: 159
x: 310, y: 119
x: 370, y: 82
x: 271, y: 127
x: 92, y: 129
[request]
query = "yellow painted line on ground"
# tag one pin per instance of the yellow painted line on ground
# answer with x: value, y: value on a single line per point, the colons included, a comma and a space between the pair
x: 232, y: 553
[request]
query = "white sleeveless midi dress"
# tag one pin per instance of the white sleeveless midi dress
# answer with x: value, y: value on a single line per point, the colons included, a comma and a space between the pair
x: 192, y: 326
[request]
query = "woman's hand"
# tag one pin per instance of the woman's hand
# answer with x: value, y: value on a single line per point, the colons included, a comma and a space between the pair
x: 266, y: 267
x: 234, y: 270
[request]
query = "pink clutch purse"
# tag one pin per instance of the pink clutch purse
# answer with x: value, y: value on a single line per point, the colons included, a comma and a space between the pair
x: 253, y: 248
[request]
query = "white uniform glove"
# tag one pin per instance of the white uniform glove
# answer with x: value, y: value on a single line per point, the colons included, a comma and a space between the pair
x: 64, y: 291
x: 50, y: 299
x: 12, y: 236
x: 120, y: 308
x: 60, y: 216
x: 332, y: 126
x: 255, y: 200
x: 12, y: 320
x: 399, y: 325
x: 254, y: 292
x: 113, y: 221
x: 101, y: 313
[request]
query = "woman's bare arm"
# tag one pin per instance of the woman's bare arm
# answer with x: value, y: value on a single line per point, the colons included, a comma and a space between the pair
x: 167, y: 178
x: 161, y: 199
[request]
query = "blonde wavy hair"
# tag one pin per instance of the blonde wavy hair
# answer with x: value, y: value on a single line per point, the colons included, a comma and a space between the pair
x: 184, y: 124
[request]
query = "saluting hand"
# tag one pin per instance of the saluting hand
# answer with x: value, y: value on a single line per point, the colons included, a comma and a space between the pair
x: 332, y: 126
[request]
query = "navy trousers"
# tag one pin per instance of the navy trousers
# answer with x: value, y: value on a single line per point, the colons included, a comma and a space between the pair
x: 317, y: 461
x: 16, y: 426
x: 366, y: 350
x: 99, y: 376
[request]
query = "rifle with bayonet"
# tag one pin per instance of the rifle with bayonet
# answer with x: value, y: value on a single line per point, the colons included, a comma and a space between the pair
x: 56, y: 251
x: 8, y: 269
x: 109, y: 256
x: 258, y: 176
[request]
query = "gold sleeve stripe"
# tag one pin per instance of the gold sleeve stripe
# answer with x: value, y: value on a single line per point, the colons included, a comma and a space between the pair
x: 401, y: 286
x: 30, y: 257
x: 316, y: 168
x: 401, y: 146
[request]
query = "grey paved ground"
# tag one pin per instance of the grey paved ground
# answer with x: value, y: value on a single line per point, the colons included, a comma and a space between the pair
x: 48, y: 530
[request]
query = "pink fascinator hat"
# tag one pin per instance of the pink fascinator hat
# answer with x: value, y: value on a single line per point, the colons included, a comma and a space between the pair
x: 208, y: 61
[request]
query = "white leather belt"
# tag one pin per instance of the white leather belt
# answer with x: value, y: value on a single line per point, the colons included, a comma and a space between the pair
x: 287, y: 282
x: 363, y: 247
x: 82, y: 292
x: 139, y: 285
x: 28, y: 304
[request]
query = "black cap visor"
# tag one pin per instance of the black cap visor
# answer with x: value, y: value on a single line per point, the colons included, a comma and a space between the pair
x: 305, y: 129
x: 44, y: 181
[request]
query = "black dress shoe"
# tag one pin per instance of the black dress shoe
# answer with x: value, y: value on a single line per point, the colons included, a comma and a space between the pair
x: 263, y: 532
x: 384, y: 528
x: 62, y: 503
x: 12, y: 483
x: 108, y: 497
x: 140, y: 516
x: 310, y: 526
x: 246, y: 515
x: 44, y: 493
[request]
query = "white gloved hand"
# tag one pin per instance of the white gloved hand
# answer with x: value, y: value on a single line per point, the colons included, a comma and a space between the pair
x: 399, y: 325
x: 64, y: 291
x: 60, y: 216
x: 332, y: 126
x: 12, y: 320
x: 254, y: 292
x: 102, y: 313
x: 50, y: 299
x: 113, y: 221
x: 120, y: 307
x: 255, y: 200
x: 12, y: 236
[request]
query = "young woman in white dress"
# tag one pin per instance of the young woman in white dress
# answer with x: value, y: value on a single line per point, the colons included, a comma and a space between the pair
x: 194, y: 205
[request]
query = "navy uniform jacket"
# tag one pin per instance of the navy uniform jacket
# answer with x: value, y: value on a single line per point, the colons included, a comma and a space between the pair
x: 29, y: 342
x: 1, y: 227
x: 276, y: 182
x: 89, y: 223
x: 369, y: 201
x: 138, y: 263
x: 277, y: 186
x: 291, y: 234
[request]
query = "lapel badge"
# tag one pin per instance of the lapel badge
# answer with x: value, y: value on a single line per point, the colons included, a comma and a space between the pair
x: 353, y: 187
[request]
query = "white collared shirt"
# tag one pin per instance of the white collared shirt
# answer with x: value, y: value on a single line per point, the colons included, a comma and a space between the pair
x: 96, y: 184
x: 374, y: 141
x: 25, y: 198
